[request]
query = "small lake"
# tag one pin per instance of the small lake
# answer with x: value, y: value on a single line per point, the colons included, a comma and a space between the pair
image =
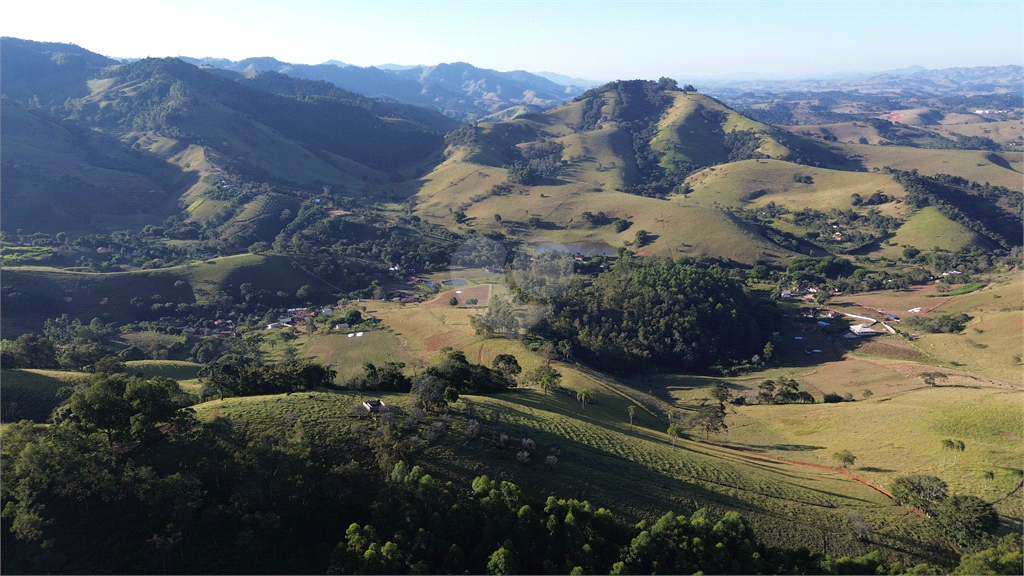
x: 584, y: 248
x: 455, y: 282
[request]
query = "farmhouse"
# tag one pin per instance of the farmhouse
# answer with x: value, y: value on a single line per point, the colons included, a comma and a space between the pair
x: 374, y: 405
x: 860, y: 331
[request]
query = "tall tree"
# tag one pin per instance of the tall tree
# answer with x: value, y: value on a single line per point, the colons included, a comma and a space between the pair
x: 632, y: 412
x: 507, y: 365
x: 920, y: 491
x: 709, y: 419
x: 958, y: 446
x: 673, y: 433
x: 967, y: 521
x: 720, y: 392
x: 583, y: 396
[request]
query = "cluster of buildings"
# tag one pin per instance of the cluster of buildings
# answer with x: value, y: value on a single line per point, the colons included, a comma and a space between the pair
x: 295, y: 315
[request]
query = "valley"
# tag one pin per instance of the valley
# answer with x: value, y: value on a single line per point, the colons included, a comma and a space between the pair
x: 639, y: 296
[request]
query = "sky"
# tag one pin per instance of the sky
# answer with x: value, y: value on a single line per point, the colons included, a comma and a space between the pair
x: 596, y: 40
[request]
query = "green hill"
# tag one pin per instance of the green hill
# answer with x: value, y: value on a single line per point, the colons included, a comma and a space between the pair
x: 616, y: 150
x: 62, y: 177
x: 119, y: 145
x: 637, y: 474
x: 34, y: 293
x: 32, y: 394
x: 929, y: 229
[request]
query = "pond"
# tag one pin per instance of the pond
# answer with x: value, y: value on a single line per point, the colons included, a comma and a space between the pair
x: 455, y: 282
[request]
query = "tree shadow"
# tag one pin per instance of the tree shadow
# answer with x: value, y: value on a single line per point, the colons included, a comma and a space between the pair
x: 999, y: 161
x: 875, y: 469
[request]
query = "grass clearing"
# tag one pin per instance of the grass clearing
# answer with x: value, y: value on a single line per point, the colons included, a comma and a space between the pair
x: 971, y: 164
x: 1002, y: 131
x: 31, y: 394
x: 173, y: 369
x: 901, y: 434
x: 928, y: 229
x: 347, y: 355
x: 772, y: 181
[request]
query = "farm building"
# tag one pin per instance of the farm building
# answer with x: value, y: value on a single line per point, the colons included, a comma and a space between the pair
x: 374, y: 405
x: 860, y: 331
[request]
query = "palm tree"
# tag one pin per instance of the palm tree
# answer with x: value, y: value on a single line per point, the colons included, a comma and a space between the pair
x: 547, y: 383
x: 583, y: 396
x: 947, y: 445
x: 632, y: 412
x: 673, y: 433
x: 958, y: 446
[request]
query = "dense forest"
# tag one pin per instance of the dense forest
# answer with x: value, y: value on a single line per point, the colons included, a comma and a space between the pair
x: 675, y: 315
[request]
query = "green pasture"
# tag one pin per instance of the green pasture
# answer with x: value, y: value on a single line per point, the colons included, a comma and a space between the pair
x: 347, y: 355
x: 638, y: 474
x: 928, y: 229
x: 901, y: 434
x: 684, y: 134
x: 1001, y: 132
x: 772, y: 181
x: 31, y: 394
x: 971, y: 164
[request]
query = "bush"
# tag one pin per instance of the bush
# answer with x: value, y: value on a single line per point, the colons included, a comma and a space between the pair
x: 918, y: 490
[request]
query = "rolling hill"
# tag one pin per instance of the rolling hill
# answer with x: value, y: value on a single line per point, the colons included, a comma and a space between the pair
x: 133, y: 140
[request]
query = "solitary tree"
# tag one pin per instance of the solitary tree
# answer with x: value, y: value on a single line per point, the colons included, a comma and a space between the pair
x: 544, y: 376
x: 844, y: 458
x: 946, y: 446
x: 721, y: 392
x: 989, y: 476
x: 967, y: 521
x: 858, y: 525
x: 920, y: 491
x: 507, y: 365
x: 632, y: 412
x: 673, y: 433
x: 710, y: 418
x: 958, y: 446
x: 583, y: 396
x: 565, y: 349
x: 548, y: 382
x: 868, y: 394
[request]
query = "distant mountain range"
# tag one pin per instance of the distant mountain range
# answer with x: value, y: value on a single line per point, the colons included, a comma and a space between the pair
x: 915, y: 81
x: 459, y: 90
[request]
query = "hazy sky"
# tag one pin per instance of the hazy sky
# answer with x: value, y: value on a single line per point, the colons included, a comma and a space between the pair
x: 595, y: 40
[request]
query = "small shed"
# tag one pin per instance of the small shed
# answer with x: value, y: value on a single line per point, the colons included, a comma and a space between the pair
x: 374, y: 405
